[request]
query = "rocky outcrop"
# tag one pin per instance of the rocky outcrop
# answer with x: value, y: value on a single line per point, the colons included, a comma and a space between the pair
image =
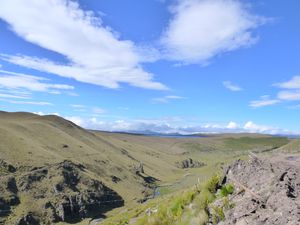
x: 5, y: 167
x: 189, y: 163
x: 138, y: 169
x: 62, y: 192
x: 8, y: 197
x: 28, y: 219
x: 267, y: 191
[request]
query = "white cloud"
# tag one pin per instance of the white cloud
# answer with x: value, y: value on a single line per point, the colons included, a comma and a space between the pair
x: 84, y: 108
x: 165, y: 126
x: 294, y: 83
x: 202, y: 29
x: 43, y: 114
x: 96, y: 54
x: 167, y: 98
x: 77, y: 120
x: 98, y: 110
x: 27, y: 102
x: 19, y: 81
x: 264, y: 101
x: 78, y: 106
x: 5, y: 95
x: 123, y: 125
x: 20, y: 86
x: 256, y: 128
x: 289, y: 95
x: 232, y: 125
x: 232, y: 87
x: 289, y: 91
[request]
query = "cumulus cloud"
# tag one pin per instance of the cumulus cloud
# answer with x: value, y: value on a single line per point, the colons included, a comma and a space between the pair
x: 256, y: 128
x: 79, y: 121
x: 232, y: 87
x: 95, y: 53
x: 232, y: 125
x: 202, y: 29
x: 264, y: 101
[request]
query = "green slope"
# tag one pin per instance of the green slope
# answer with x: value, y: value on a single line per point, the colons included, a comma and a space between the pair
x: 28, y: 141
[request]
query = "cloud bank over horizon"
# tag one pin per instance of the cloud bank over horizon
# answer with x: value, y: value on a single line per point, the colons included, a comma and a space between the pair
x: 164, y: 126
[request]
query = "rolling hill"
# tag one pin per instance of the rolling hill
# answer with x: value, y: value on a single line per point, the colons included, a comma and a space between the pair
x: 52, y: 170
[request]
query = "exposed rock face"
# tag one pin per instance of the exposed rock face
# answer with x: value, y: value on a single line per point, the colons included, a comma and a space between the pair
x: 115, y: 179
x: 61, y: 192
x: 189, y: 163
x: 6, y: 167
x: 28, y: 220
x: 8, y: 197
x: 267, y: 191
x: 139, y: 169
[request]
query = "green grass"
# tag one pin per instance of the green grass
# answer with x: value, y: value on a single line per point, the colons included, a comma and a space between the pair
x: 178, y: 210
x: 258, y: 144
x: 198, y: 147
x: 192, y: 206
x: 292, y: 147
x: 165, y: 190
x: 226, y: 190
x: 175, y: 209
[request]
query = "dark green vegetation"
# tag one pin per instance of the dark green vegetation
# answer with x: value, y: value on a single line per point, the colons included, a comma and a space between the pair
x: 51, y: 169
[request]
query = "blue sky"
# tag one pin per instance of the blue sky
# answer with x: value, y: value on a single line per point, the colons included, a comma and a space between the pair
x: 161, y: 65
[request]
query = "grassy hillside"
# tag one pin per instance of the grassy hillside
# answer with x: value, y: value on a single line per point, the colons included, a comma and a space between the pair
x: 292, y: 147
x: 29, y: 141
